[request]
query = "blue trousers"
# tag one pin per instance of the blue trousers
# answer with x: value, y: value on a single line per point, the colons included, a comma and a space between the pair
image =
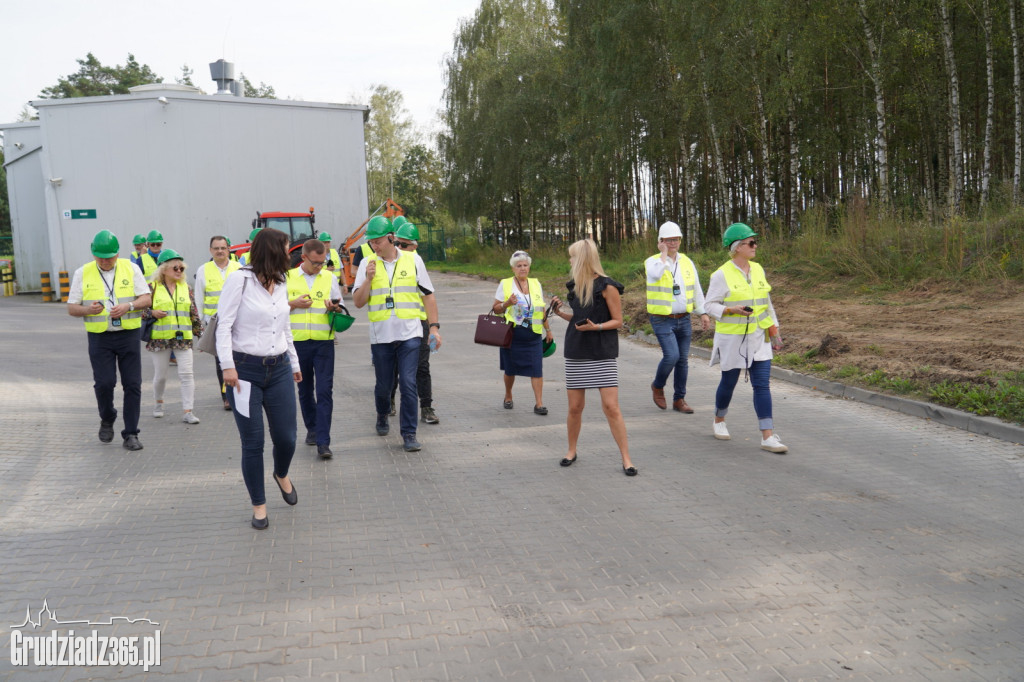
x: 760, y: 374
x: 108, y: 353
x: 316, y: 390
x: 272, y: 391
x: 406, y: 356
x: 674, y: 335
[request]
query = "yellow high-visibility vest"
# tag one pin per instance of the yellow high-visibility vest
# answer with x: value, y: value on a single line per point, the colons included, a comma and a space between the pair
x: 94, y: 289
x: 313, y: 323
x: 743, y: 293
x: 148, y: 266
x: 178, y: 311
x: 402, y: 287
x: 214, y: 285
x: 536, y: 298
x: 659, y: 294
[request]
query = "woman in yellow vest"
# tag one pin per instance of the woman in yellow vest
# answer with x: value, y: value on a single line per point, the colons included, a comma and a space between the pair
x: 520, y: 299
x: 746, y: 332
x: 176, y: 322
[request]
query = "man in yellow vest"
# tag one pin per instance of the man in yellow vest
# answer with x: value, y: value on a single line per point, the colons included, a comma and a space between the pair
x: 209, y: 283
x: 333, y: 259
x: 154, y: 242
x: 110, y: 294
x: 673, y: 293
x: 313, y: 292
x: 398, y: 292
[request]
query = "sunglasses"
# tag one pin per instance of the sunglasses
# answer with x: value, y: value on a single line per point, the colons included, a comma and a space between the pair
x: 403, y: 245
x: 178, y: 268
x: 752, y: 242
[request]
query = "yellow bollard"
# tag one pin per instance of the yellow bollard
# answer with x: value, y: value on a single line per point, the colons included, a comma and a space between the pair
x: 8, y: 280
x: 47, y: 289
x: 65, y: 286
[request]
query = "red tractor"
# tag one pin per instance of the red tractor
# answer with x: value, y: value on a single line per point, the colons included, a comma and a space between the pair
x: 298, y: 226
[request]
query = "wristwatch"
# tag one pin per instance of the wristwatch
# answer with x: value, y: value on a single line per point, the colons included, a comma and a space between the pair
x: 434, y: 324
x: 131, y: 305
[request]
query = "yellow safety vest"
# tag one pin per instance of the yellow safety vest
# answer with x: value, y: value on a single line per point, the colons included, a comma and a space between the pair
x: 178, y: 309
x: 94, y: 289
x: 402, y: 287
x: 214, y: 285
x: 536, y: 298
x: 659, y: 294
x: 310, y: 324
x: 148, y: 265
x: 367, y: 250
x: 743, y: 293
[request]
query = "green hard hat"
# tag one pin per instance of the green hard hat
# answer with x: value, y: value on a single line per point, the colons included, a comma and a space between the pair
x: 378, y: 227
x: 228, y: 241
x: 398, y: 221
x: 325, y: 237
x: 549, y: 348
x: 139, y: 239
x: 408, y: 231
x: 736, y: 232
x: 252, y: 235
x: 168, y: 254
x: 104, y: 244
x: 154, y: 237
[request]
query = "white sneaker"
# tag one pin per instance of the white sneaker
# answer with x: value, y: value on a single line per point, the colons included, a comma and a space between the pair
x: 158, y: 411
x: 721, y: 433
x: 190, y: 418
x: 773, y: 444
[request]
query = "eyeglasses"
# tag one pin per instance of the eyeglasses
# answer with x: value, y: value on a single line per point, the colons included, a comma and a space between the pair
x: 315, y: 263
x: 178, y: 268
x: 403, y: 245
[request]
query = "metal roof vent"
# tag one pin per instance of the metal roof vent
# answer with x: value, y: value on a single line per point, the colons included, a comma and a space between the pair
x: 223, y: 74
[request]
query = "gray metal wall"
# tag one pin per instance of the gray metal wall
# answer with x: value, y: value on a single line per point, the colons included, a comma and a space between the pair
x: 23, y: 160
x: 192, y: 167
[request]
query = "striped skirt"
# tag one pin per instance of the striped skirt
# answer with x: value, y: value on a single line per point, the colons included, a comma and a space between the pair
x: 591, y: 373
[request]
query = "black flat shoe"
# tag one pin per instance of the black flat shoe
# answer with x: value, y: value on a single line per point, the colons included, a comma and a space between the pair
x: 629, y: 471
x: 291, y: 498
x: 540, y: 410
x: 507, y: 404
x: 261, y: 524
x: 566, y: 462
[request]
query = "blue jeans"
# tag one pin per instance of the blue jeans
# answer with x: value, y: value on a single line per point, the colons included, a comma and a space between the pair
x: 760, y: 373
x: 316, y: 390
x: 108, y: 353
x: 674, y: 335
x: 405, y: 355
x: 272, y: 391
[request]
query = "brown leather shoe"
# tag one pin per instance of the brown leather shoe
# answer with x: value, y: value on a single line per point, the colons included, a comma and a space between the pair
x: 659, y: 397
x: 681, y: 406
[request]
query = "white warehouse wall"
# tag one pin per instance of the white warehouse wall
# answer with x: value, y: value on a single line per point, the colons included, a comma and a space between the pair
x: 192, y: 167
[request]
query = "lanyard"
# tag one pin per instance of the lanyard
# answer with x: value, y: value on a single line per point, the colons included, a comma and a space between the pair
x: 174, y: 301
x: 110, y: 287
x: 528, y: 308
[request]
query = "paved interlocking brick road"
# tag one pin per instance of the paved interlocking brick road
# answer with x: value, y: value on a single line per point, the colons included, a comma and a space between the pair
x: 882, y: 547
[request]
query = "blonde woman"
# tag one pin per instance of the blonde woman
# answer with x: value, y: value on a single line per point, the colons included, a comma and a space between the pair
x: 177, y: 321
x: 592, y: 346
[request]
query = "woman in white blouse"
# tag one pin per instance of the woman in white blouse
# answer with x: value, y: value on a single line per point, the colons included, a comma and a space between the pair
x: 256, y: 352
x: 746, y: 332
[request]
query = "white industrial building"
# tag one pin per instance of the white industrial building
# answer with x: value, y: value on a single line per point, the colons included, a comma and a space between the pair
x: 170, y: 158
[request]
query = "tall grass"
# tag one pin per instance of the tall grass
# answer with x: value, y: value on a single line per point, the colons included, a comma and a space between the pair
x: 855, y: 242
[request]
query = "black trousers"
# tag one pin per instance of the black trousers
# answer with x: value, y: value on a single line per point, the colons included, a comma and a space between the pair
x: 109, y: 353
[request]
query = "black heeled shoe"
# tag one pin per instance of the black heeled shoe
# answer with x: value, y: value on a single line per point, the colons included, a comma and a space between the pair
x: 291, y: 498
x: 261, y: 524
x: 629, y: 471
x: 566, y: 462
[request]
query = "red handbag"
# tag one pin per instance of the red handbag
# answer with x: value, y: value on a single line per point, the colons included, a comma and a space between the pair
x: 492, y: 330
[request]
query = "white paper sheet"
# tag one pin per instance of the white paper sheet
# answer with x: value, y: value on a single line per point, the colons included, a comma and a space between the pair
x: 242, y: 397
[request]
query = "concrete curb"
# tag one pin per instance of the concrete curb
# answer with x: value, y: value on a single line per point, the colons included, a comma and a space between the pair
x: 984, y: 426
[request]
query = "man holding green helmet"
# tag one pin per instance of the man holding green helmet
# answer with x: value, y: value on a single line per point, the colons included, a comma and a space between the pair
x: 399, y: 294
x: 110, y: 293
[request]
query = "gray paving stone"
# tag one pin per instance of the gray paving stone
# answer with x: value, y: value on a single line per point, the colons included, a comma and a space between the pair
x: 481, y: 558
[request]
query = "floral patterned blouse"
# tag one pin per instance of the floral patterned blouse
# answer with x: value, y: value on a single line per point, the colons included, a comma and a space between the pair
x: 176, y: 344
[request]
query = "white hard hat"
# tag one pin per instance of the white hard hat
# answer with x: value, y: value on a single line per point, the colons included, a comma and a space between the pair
x: 669, y: 230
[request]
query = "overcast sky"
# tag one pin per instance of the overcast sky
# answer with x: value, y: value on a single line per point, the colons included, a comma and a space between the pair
x: 315, y: 51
